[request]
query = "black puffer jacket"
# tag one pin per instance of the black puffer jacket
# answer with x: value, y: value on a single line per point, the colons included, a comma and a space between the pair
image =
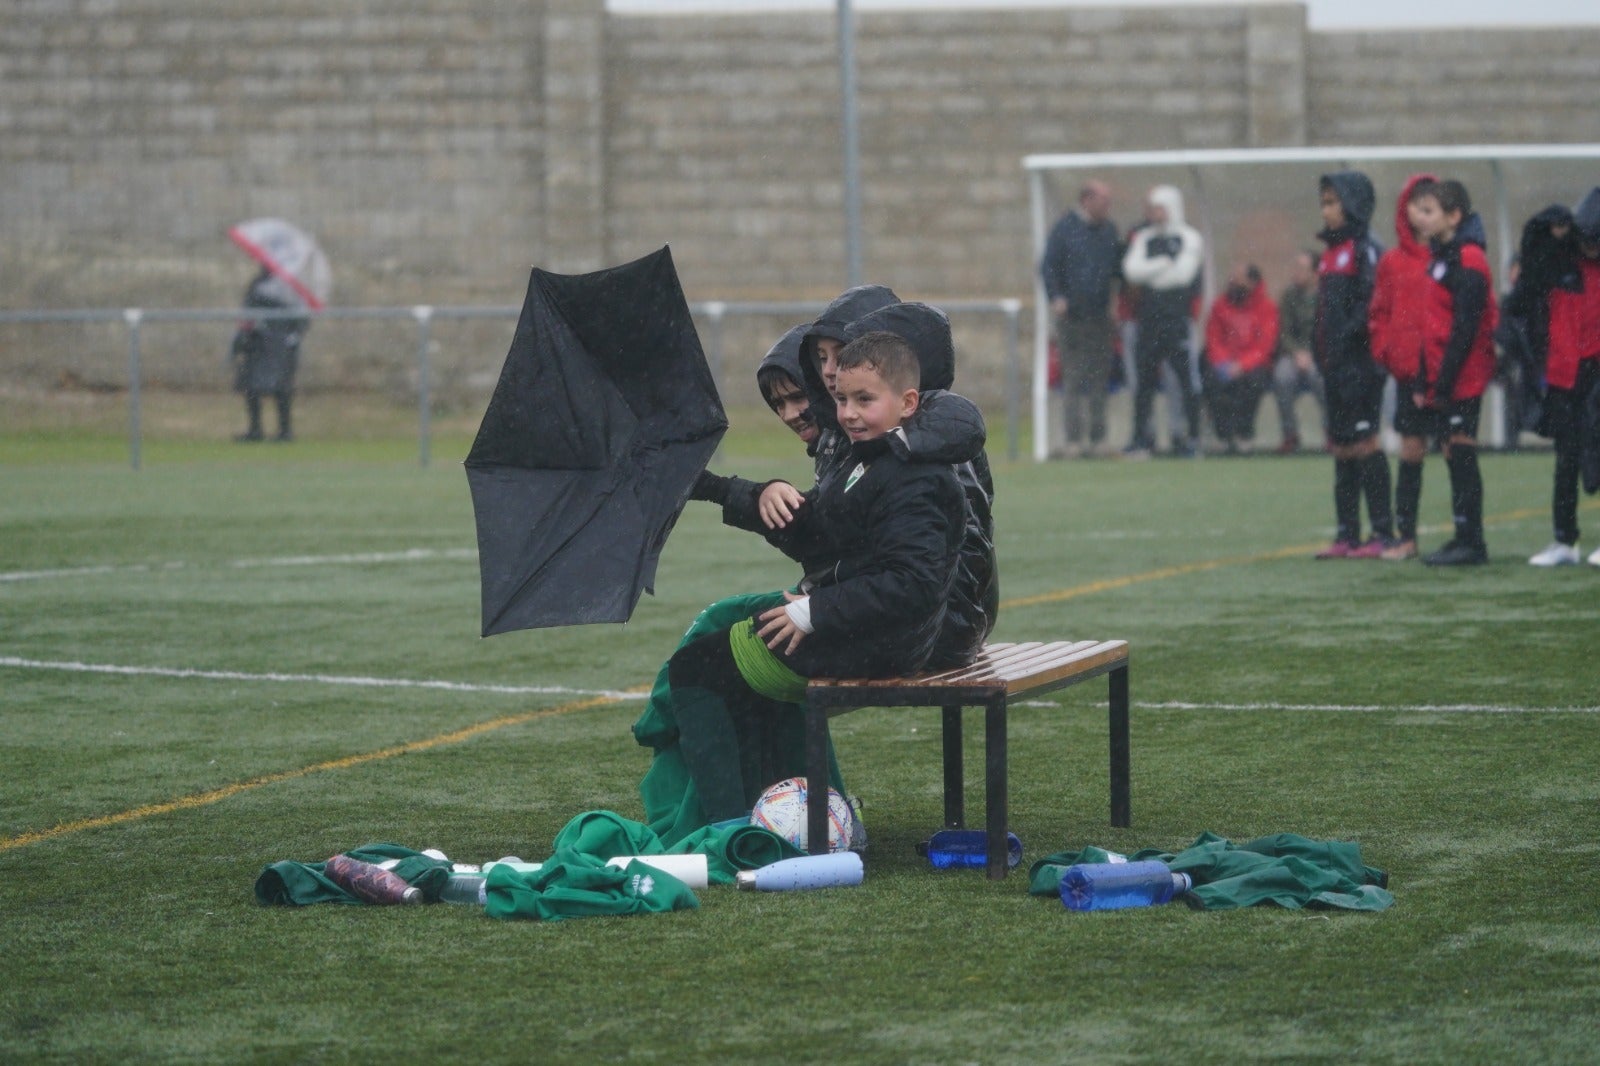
x: 949, y: 428
x: 1346, y: 276
x: 894, y: 533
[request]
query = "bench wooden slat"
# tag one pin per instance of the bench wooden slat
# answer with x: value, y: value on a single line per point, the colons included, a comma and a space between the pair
x: 1012, y: 668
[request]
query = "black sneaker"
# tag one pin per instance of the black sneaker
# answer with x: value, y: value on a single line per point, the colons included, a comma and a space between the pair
x: 1458, y: 553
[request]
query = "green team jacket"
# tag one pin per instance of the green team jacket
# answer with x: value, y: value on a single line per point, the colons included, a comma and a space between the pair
x: 671, y: 804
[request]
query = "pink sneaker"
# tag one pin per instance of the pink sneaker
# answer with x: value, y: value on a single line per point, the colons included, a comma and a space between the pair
x: 1372, y: 548
x: 1339, y: 549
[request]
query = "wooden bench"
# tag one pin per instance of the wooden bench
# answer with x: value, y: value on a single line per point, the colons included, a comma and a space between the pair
x: 1004, y: 672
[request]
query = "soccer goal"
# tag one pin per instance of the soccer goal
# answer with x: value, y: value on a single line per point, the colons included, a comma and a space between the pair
x: 1260, y: 205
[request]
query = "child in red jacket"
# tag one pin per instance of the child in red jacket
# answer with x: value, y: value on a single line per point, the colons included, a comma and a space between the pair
x: 1443, y: 365
x: 1572, y: 374
x: 1401, y: 287
x: 1241, y: 337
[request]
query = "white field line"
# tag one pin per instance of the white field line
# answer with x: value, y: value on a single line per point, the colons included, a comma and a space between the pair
x: 17, y: 663
x: 409, y: 555
x: 1350, y: 708
x: 310, y: 679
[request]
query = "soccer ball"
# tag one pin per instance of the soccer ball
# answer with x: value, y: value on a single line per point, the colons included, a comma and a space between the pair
x: 782, y: 809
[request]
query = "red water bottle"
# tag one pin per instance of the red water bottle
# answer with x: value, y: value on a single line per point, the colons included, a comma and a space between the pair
x: 370, y: 883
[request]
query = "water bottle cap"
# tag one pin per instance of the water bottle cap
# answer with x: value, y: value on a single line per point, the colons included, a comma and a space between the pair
x: 745, y: 879
x: 1181, y: 883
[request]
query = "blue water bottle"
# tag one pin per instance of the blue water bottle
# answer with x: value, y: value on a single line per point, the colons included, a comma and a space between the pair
x: 966, y: 848
x: 1113, y: 886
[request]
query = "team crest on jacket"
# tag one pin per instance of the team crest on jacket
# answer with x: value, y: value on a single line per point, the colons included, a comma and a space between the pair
x: 855, y: 476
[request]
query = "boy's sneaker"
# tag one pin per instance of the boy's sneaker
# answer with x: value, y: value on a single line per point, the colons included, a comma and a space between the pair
x: 1458, y: 553
x: 1399, y: 551
x: 1594, y: 557
x: 1372, y: 548
x: 1339, y: 549
x: 1558, y: 554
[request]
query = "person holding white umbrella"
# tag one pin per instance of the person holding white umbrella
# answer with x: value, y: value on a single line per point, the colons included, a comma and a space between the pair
x: 265, y: 353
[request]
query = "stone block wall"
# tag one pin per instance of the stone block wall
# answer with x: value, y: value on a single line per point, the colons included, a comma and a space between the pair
x: 439, y: 148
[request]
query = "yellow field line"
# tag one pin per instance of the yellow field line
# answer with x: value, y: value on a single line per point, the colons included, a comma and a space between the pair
x: 216, y: 795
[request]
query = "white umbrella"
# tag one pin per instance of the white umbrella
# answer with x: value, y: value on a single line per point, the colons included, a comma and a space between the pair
x: 296, y: 262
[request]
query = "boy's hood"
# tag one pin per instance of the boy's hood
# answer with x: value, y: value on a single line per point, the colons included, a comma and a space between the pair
x: 1586, y: 216
x: 1169, y: 197
x: 1355, y: 193
x: 926, y: 329
x: 1402, y: 225
x: 846, y: 308
x: 784, y: 355
x: 1471, y: 231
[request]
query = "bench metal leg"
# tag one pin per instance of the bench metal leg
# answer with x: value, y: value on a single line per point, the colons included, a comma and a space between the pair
x: 955, y: 803
x: 1121, y: 804
x: 994, y: 802
x: 816, y: 771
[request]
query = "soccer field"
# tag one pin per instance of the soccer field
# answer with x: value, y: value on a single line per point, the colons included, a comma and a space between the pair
x: 238, y: 656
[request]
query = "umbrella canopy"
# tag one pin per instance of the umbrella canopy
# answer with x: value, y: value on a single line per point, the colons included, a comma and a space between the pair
x: 604, y: 416
x: 296, y: 262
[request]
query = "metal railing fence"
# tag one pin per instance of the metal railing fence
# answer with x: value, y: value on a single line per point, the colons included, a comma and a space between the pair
x: 714, y: 313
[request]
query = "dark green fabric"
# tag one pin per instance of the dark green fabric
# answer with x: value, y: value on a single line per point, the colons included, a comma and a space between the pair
x: 573, y: 885
x: 1284, y: 869
x: 604, y: 835
x: 671, y: 802
x: 575, y: 882
x: 297, y: 884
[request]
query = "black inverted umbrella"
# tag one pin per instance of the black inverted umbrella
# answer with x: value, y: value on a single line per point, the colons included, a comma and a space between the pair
x: 604, y: 416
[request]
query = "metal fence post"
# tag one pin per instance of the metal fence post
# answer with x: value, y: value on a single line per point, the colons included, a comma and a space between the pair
x: 133, y: 316
x: 715, y: 312
x: 424, y: 316
x: 1013, y: 311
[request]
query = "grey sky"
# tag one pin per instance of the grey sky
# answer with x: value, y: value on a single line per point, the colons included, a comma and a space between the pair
x: 1322, y: 14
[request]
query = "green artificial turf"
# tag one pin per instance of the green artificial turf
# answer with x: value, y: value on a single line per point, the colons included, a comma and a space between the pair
x: 1444, y: 720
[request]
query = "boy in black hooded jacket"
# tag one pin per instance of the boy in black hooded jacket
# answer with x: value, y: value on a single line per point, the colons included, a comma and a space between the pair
x: 1353, y: 380
x: 892, y: 527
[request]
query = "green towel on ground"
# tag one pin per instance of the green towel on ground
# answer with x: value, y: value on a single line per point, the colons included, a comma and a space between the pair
x: 671, y: 803
x: 573, y: 885
x: 575, y: 882
x: 297, y: 884
x: 1288, y: 870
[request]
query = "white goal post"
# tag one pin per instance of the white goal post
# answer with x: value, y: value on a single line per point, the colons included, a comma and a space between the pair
x: 1221, y: 186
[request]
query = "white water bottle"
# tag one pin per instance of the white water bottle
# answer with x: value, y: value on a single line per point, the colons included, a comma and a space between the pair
x: 838, y: 870
x: 691, y: 869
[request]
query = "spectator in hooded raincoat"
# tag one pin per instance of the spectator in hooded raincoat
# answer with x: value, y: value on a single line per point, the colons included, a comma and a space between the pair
x: 265, y: 355
x: 1163, y: 263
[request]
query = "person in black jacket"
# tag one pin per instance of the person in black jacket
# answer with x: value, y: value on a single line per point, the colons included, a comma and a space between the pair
x: 265, y: 355
x: 892, y: 525
x: 1352, y: 379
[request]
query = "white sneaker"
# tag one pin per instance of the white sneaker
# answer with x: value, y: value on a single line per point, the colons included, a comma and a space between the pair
x: 1559, y: 554
x: 1594, y: 557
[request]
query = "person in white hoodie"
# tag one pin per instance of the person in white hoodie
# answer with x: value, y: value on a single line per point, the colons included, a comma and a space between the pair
x: 1162, y: 265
